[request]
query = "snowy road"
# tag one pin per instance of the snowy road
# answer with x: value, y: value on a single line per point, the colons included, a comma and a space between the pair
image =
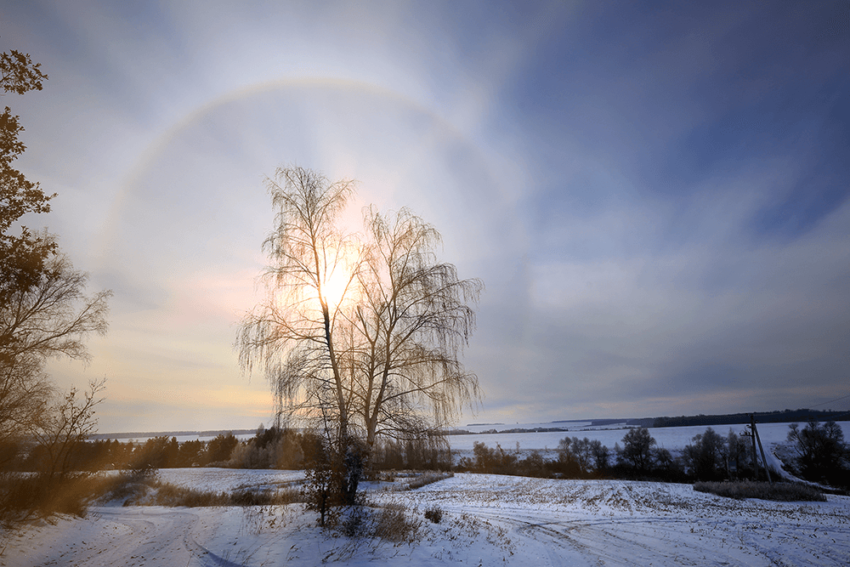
x: 487, y: 520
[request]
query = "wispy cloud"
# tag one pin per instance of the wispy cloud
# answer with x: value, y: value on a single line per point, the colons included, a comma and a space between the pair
x: 655, y: 197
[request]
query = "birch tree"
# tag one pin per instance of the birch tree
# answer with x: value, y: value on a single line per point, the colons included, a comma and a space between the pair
x: 295, y: 333
x: 363, y: 333
x: 414, y: 319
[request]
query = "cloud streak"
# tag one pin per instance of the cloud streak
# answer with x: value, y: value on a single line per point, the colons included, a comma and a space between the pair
x: 655, y: 196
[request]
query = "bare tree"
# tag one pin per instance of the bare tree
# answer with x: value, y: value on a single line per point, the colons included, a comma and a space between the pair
x: 294, y: 334
x: 414, y: 319
x: 637, y: 448
x: 68, y: 422
x: 362, y: 334
x: 49, y: 319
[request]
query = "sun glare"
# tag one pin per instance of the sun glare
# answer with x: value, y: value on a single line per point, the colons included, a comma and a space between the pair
x: 334, y: 287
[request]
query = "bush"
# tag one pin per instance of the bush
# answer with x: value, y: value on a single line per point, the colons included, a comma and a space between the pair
x: 780, y: 491
x: 127, y: 486
x: 26, y: 497
x: 171, y: 495
x: 392, y: 524
x: 434, y: 514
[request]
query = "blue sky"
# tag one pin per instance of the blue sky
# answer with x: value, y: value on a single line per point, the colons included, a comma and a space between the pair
x: 655, y: 194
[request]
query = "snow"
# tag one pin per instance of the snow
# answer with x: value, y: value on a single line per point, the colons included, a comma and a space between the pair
x: 488, y: 520
x: 229, y: 480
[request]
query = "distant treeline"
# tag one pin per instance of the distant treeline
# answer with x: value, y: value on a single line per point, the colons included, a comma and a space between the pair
x: 271, y: 448
x: 148, y: 434
x: 784, y: 416
x: 641, y: 422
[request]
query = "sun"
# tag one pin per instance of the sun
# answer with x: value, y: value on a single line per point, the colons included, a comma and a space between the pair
x: 334, y: 287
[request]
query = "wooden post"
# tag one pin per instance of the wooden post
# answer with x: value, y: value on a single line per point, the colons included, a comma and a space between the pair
x: 753, y: 435
x: 763, y: 459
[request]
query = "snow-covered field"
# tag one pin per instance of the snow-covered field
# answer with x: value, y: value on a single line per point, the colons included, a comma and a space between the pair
x: 488, y: 520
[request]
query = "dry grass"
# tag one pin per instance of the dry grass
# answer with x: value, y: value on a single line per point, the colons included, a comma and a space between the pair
x: 780, y: 491
x: 26, y: 497
x: 165, y: 494
x: 391, y: 523
x: 428, y: 478
x: 147, y: 490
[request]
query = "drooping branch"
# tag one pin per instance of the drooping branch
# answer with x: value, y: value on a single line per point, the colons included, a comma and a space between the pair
x: 383, y: 359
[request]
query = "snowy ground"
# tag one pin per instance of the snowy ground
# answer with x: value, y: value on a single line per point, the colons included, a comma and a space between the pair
x: 488, y: 520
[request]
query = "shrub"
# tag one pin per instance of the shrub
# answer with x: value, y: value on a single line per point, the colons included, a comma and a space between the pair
x: 127, y: 486
x: 333, y: 473
x: 434, y: 514
x: 781, y: 491
x: 170, y: 495
x: 392, y: 524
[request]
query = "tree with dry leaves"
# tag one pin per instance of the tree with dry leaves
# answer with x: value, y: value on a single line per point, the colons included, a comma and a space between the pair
x: 23, y: 253
x: 44, y: 311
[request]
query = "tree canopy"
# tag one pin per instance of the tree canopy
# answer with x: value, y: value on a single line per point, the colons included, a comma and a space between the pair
x: 22, y: 255
x: 362, y: 332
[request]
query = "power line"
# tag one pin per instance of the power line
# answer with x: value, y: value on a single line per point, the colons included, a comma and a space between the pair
x: 831, y: 401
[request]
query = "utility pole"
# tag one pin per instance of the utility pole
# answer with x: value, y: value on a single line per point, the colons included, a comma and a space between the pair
x: 757, y: 439
x: 753, y: 435
x: 763, y: 459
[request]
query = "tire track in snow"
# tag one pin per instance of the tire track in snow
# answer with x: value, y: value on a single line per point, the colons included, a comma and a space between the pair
x: 157, y: 536
x: 672, y: 540
x: 206, y: 557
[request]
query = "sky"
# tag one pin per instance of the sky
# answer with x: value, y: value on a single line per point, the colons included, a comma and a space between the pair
x: 655, y: 194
